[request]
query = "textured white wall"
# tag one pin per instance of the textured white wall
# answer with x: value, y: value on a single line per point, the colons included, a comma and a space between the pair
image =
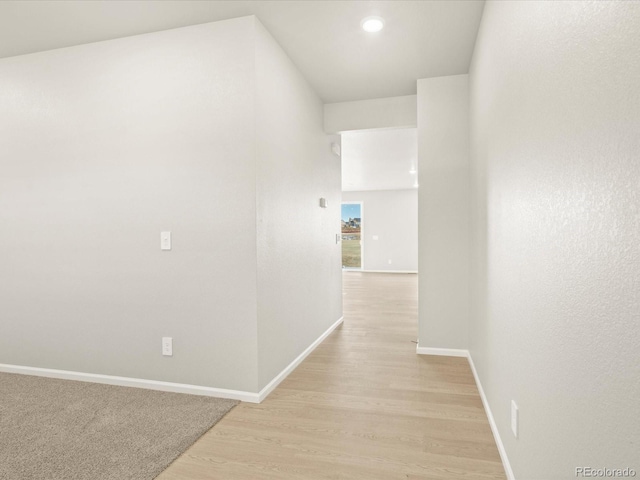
x: 390, y: 112
x: 443, y: 211
x: 391, y: 215
x: 102, y: 146
x: 555, y: 116
x: 207, y: 131
x: 299, y: 262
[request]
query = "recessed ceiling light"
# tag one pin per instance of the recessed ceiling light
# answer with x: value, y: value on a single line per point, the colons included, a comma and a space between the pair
x: 413, y: 171
x: 415, y: 185
x: 372, y: 24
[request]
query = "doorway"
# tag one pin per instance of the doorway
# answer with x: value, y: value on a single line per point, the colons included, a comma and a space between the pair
x: 351, y: 228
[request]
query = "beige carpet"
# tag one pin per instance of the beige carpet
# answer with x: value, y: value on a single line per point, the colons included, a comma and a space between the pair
x: 67, y: 430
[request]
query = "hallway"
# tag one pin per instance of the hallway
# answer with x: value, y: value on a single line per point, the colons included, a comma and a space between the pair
x: 363, y: 405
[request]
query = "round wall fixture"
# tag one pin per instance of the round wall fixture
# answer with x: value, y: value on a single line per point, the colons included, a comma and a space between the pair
x: 372, y: 24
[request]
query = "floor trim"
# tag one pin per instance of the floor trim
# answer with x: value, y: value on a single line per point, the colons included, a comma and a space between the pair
x: 447, y: 352
x: 291, y: 367
x: 494, y: 428
x: 390, y: 271
x: 243, y: 396
x: 377, y: 271
x: 132, y: 382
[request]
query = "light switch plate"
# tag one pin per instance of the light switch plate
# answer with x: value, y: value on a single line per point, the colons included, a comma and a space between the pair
x: 514, y: 418
x: 165, y: 240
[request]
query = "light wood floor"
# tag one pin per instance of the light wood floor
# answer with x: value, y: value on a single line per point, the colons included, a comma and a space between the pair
x: 363, y: 405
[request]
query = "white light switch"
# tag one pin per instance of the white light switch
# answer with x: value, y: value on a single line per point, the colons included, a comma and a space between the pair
x: 514, y: 418
x: 375, y: 237
x: 165, y: 240
x: 167, y: 346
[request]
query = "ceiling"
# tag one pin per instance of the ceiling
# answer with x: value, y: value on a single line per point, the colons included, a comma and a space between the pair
x: 421, y: 39
x: 379, y: 159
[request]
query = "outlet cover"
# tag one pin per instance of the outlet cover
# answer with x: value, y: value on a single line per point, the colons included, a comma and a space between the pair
x: 167, y: 346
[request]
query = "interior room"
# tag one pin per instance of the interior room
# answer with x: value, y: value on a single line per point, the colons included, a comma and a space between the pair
x: 380, y: 174
x: 184, y: 296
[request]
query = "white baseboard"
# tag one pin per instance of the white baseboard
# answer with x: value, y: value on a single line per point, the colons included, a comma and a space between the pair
x: 494, y: 428
x: 291, y: 367
x: 243, y: 396
x: 389, y: 271
x: 132, y: 382
x: 447, y: 352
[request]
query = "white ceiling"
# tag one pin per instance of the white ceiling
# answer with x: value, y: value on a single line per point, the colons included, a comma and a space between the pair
x: 342, y: 62
x: 379, y: 159
x: 421, y: 39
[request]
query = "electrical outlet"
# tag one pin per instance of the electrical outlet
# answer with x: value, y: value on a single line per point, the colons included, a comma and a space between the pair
x: 514, y: 418
x: 389, y: 261
x: 167, y: 346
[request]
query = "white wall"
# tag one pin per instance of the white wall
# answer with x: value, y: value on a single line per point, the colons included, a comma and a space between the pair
x: 392, y: 216
x: 299, y: 262
x: 390, y: 112
x: 102, y: 146
x: 443, y: 212
x: 555, y: 116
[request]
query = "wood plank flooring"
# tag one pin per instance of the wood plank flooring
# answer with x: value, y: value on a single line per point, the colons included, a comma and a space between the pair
x: 363, y: 405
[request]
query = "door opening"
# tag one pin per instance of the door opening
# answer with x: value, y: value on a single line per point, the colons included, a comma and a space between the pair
x: 352, y: 251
